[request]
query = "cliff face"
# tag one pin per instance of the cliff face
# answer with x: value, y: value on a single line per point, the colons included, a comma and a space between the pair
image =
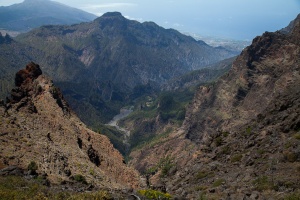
x: 37, y: 125
x: 240, y: 137
x: 263, y: 71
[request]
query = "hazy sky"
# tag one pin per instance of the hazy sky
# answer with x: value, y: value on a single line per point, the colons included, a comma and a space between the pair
x: 238, y: 19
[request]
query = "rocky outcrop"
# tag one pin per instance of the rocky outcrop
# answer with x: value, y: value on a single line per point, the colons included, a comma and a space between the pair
x: 5, y: 39
x: 36, y: 125
x: 265, y: 69
x: 240, y: 137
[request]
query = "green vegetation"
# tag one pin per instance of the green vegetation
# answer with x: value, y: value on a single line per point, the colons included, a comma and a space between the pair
x: 165, y: 164
x: 79, y: 178
x: 154, y: 140
x: 154, y: 194
x: 263, y: 183
x: 152, y: 170
x: 225, y: 134
x: 167, y: 107
x: 218, y: 182
x: 293, y: 196
x: 236, y: 158
x: 202, y: 196
x: 116, y: 137
x: 218, y: 141
x: 32, y: 166
x: 226, y: 150
x: 261, y: 151
x: 15, y: 187
x: 171, y: 108
x: 297, y: 136
x: 248, y: 131
x: 204, y: 174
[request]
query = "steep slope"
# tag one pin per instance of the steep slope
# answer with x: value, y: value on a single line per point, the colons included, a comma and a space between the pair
x: 36, y: 125
x: 240, y: 138
x: 103, y: 61
x: 31, y: 14
x: 201, y: 76
x: 113, y: 47
x: 12, y: 56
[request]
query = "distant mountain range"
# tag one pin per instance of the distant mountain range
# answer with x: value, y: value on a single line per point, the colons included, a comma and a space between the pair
x: 99, y: 64
x: 233, y: 137
x: 31, y: 14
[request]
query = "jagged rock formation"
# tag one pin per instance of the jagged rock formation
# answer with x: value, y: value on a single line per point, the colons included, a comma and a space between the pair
x: 37, y: 125
x: 12, y: 56
x: 240, y: 138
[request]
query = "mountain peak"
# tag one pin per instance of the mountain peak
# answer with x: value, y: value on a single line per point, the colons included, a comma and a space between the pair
x: 29, y: 84
x: 27, y: 1
x: 31, y: 72
x: 112, y: 14
x: 34, y: 13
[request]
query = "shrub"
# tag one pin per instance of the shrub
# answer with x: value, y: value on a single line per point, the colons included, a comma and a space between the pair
x: 297, y: 136
x: 293, y: 196
x: 151, y: 170
x: 80, y: 178
x: 260, y: 151
x: 204, y: 174
x: 225, y: 150
x: 236, y: 158
x: 101, y: 195
x: 165, y: 164
x: 263, y: 183
x: 218, y: 182
x: 218, y: 141
x: 16, y: 187
x: 225, y: 134
x: 153, y: 194
x: 248, y: 130
x: 32, y: 166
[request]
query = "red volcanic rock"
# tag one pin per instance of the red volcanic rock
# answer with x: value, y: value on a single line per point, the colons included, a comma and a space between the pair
x: 38, y: 126
x: 32, y: 71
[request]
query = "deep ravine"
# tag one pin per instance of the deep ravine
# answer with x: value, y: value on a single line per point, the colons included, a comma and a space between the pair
x: 124, y: 112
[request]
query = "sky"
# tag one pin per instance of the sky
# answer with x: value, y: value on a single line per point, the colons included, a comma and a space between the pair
x: 232, y: 19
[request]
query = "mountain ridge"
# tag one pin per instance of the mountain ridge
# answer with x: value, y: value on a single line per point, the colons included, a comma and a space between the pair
x: 37, y: 125
x: 240, y: 136
x: 111, y: 56
x: 34, y: 13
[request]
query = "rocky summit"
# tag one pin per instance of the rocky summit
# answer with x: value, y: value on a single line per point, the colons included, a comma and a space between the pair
x: 39, y: 132
x: 240, y: 138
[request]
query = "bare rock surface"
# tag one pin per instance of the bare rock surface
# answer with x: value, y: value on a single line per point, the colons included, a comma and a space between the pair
x: 240, y: 138
x: 37, y: 125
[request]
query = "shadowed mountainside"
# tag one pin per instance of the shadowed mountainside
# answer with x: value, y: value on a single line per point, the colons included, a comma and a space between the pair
x: 99, y: 64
